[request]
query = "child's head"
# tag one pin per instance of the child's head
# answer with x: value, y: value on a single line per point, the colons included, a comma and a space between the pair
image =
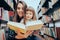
x: 30, y: 14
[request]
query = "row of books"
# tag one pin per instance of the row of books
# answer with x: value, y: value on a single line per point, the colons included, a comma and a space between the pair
x: 48, y: 33
x: 58, y: 32
x: 10, y: 3
x: 6, y: 15
x: 43, y: 9
x: 0, y: 13
x: 56, y: 14
x: 52, y: 2
x: 48, y: 38
x: 46, y: 19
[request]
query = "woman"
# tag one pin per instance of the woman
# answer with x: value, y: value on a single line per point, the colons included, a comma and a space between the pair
x: 19, y: 15
x: 20, y: 11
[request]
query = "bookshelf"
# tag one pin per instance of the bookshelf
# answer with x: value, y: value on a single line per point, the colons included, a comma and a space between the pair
x: 55, y: 7
x: 50, y: 11
x: 5, y: 5
x: 53, y: 11
x: 8, y: 4
x: 40, y: 5
x: 48, y: 33
x: 7, y: 9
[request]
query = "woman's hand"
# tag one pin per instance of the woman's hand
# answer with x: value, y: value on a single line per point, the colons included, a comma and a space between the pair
x: 29, y: 32
x: 19, y: 36
x: 25, y: 35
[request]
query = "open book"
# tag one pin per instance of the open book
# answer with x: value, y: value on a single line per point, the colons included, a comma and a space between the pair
x: 32, y: 25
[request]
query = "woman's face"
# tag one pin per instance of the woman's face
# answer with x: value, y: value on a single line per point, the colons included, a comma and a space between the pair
x: 29, y: 15
x: 20, y: 10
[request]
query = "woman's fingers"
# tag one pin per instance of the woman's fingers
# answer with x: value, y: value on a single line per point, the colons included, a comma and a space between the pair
x: 29, y: 32
x: 20, y: 35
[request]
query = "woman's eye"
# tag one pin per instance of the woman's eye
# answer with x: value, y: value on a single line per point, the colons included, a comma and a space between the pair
x: 18, y: 8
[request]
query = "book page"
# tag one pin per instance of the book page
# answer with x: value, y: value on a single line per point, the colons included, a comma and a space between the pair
x: 34, y: 25
x: 19, y: 25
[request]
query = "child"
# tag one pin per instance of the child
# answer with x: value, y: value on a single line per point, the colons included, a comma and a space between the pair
x: 29, y: 16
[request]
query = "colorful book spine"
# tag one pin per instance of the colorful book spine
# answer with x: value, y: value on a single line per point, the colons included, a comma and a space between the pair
x: 0, y: 13
x: 5, y: 15
x: 10, y: 3
x: 11, y: 14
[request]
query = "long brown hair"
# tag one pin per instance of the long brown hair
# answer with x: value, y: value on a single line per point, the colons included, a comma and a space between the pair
x: 32, y: 10
x: 16, y: 16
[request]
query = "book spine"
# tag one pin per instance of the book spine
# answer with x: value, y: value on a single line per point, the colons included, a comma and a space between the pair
x: 5, y: 15
x: 0, y: 13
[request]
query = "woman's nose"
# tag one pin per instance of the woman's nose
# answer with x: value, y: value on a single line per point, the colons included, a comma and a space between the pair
x: 21, y: 10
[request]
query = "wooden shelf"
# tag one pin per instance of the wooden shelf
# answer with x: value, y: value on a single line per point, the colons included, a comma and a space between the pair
x: 39, y: 11
x: 51, y: 10
x: 6, y: 6
x: 57, y: 20
x: 49, y: 36
x: 40, y: 18
x: 46, y: 4
x: 3, y: 21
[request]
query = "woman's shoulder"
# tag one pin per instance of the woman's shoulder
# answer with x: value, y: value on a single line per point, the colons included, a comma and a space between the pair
x: 22, y: 20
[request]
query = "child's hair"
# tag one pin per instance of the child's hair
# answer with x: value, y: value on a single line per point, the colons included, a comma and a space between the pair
x: 32, y: 10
